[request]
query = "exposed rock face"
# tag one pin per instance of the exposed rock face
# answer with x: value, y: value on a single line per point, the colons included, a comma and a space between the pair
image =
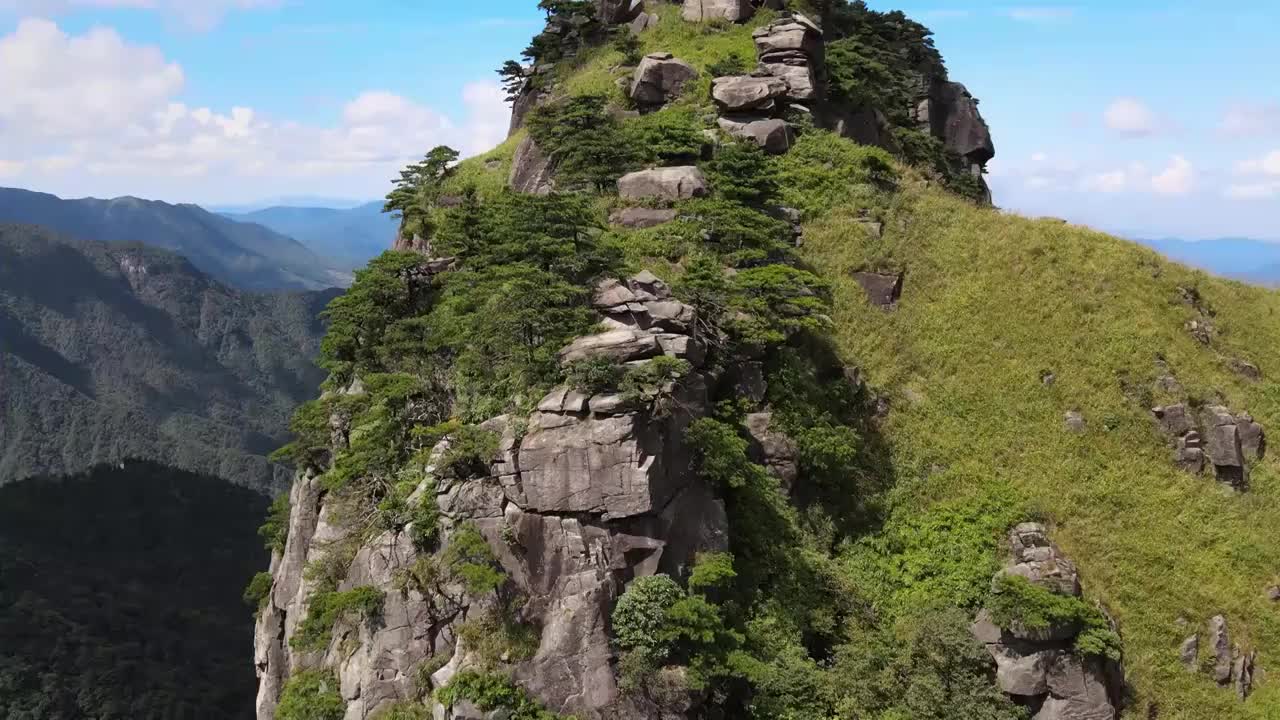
x: 773, y: 448
x: 1218, y: 438
x: 864, y: 125
x: 614, y: 12
x: 1232, y: 666
x: 590, y: 493
x: 792, y: 49
x: 1041, y: 669
x: 640, y: 217
x: 1075, y: 422
x: 771, y: 134
x: 667, y: 183
x: 951, y: 113
x: 883, y: 289
x: 730, y: 10
x: 746, y: 93
x: 531, y: 171
x: 659, y: 79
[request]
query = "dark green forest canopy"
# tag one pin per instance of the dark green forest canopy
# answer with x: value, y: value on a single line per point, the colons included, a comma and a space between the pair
x: 120, y: 595
x: 113, y: 351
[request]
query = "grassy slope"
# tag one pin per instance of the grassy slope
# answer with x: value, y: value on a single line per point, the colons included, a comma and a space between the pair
x: 992, y: 301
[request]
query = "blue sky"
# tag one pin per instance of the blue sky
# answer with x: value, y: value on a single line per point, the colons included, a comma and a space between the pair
x: 1146, y: 118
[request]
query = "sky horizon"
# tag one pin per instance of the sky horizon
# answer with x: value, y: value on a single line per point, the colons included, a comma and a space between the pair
x: 1141, y: 118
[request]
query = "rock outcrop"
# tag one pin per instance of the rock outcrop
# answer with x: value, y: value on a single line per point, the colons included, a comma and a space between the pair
x: 1230, y: 665
x: 883, y: 290
x: 666, y: 183
x: 728, y: 10
x: 531, y: 170
x: 792, y: 49
x: 587, y: 493
x: 1040, y: 668
x: 747, y: 93
x: 1218, y: 439
x: 659, y: 79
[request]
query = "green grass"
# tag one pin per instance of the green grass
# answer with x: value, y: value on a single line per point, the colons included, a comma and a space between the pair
x: 993, y: 300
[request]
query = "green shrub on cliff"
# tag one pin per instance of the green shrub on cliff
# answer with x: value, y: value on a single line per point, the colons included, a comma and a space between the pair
x: 311, y: 695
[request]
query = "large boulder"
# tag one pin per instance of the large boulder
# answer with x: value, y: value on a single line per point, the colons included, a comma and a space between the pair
x: 641, y: 217
x: 619, y: 345
x: 614, y: 12
x: 950, y: 112
x: 774, y: 136
x: 730, y: 10
x: 791, y: 48
x: 743, y: 93
x: 666, y: 183
x: 659, y: 79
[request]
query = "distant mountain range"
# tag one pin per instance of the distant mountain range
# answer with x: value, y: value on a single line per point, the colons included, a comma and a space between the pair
x: 350, y: 236
x: 109, y: 351
x: 1256, y: 261
x: 243, y: 255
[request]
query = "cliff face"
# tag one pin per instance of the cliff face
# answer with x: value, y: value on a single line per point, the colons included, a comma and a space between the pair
x: 582, y: 496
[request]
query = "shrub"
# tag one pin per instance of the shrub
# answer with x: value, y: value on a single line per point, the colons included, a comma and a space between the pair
x: 640, y: 618
x: 731, y: 64
x: 1015, y: 600
x: 742, y: 173
x: 778, y: 302
x: 258, y: 590
x: 583, y: 140
x: 405, y: 710
x: 670, y: 136
x: 721, y: 454
x: 741, y: 236
x: 712, y: 574
x: 311, y: 695
x: 824, y: 170
x: 628, y: 45
x: 593, y: 375
x: 275, y: 530
x: 648, y: 382
x: 470, y: 560
x: 490, y: 692
x: 310, y: 428
x: 326, y: 609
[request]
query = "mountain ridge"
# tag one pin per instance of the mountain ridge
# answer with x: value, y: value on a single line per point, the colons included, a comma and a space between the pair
x: 243, y: 255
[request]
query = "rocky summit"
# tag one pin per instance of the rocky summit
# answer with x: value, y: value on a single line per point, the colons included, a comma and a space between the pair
x: 721, y: 391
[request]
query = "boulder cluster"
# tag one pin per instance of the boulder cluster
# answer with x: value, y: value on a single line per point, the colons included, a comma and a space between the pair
x: 790, y: 52
x: 1214, y: 439
x: 1040, y: 668
x: 1229, y: 664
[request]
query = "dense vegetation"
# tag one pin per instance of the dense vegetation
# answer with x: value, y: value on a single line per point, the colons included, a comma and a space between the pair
x: 119, y: 596
x: 241, y: 255
x: 115, y: 351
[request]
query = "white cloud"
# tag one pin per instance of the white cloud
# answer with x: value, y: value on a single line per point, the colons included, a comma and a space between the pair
x: 1129, y: 116
x: 1260, y: 178
x: 1113, y: 181
x: 1250, y: 120
x: 1177, y: 179
x: 11, y: 168
x: 1268, y: 164
x: 93, y: 108
x: 196, y: 14
x: 1252, y: 191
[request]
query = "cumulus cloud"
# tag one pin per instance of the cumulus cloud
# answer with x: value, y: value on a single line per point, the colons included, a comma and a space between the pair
x: 1177, y: 179
x: 1259, y: 178
x: 1243, y: 120
x: 197, y: 14
x: 1132, y: 117
x: 92, y: 104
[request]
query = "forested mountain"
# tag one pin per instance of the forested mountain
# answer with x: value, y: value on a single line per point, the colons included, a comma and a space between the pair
x: 120, y: 595
x: 351, y: 237
x: 721, y: 390
x: 242, y: 255
x: 109, y: 351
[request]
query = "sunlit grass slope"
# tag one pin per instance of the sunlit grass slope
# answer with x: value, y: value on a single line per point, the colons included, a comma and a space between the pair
x: 992, y: 302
